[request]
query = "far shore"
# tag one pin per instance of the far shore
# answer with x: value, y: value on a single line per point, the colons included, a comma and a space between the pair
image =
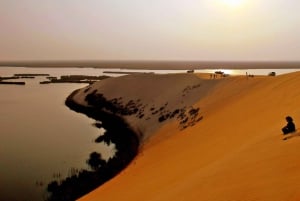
x: 158, y: 65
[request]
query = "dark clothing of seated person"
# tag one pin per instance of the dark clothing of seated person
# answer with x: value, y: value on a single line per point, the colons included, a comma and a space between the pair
x: 290, y: 127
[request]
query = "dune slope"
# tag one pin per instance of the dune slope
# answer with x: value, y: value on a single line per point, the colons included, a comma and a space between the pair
x: 235, y: 153
x: 147, y: 101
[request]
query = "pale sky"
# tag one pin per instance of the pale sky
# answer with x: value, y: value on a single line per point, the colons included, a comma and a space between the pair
x: 149, y: 29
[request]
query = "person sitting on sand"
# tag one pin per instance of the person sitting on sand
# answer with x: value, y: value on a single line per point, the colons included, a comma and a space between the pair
x: 290, y: 127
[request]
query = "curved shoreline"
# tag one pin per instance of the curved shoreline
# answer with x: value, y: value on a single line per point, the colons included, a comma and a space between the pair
x: 132, y: 116
x: 127, y: 141
x: 118, y: 132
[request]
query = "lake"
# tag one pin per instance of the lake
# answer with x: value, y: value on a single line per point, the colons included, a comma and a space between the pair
x: 41, y: 139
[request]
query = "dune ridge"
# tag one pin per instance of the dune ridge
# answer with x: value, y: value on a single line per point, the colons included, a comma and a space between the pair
x: 235, y: 152
x: 147, y: 101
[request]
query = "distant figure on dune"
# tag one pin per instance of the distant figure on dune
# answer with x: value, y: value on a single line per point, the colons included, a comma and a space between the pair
x: 290, y: 127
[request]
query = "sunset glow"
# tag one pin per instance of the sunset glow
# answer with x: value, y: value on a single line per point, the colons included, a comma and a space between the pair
x: 150, y: 30
x: 233, y: 3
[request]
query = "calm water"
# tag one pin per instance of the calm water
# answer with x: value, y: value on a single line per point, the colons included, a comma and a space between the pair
x: 41, y: 138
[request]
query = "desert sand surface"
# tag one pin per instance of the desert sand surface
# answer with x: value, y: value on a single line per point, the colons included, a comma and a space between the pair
x: 234, y: 152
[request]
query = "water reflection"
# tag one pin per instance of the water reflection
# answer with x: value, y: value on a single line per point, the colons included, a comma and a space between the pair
x: 80, y: 182
x: 41, y: 139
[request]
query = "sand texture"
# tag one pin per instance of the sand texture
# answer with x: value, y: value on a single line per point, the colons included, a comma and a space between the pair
x: 230, y: 148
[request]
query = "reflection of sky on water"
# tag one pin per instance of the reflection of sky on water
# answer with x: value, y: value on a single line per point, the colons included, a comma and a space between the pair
x: 40, y: 136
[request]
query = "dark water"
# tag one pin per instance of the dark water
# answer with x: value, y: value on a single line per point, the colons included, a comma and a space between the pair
x: 41, y: 139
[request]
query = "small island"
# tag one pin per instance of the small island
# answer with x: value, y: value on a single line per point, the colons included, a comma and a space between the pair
x: 10, y: 82
x: 17, y: 83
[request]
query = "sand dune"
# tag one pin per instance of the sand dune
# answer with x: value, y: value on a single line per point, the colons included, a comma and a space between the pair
x: 235, y: 153
x: 154, y: 96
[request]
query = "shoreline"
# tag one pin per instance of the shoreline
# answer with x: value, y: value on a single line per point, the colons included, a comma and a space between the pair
x: 118, y: 132
x: 105, y: 117
x: 130, y: 116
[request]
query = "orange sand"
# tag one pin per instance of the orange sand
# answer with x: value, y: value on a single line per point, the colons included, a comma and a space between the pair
x: 236, y: 153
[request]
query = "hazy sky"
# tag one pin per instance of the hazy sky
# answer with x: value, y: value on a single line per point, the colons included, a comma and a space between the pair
x: 149, y: 29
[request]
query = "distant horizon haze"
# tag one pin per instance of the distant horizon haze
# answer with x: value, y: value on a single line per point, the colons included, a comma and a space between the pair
x: 207, y: 30
x: 157, y: 64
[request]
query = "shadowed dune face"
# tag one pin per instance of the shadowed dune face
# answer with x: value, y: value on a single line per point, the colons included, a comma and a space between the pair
x: 236, y: 152
x: 147, y: 101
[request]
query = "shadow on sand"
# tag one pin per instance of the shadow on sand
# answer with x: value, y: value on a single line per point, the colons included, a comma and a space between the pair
x: 83, y: 181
